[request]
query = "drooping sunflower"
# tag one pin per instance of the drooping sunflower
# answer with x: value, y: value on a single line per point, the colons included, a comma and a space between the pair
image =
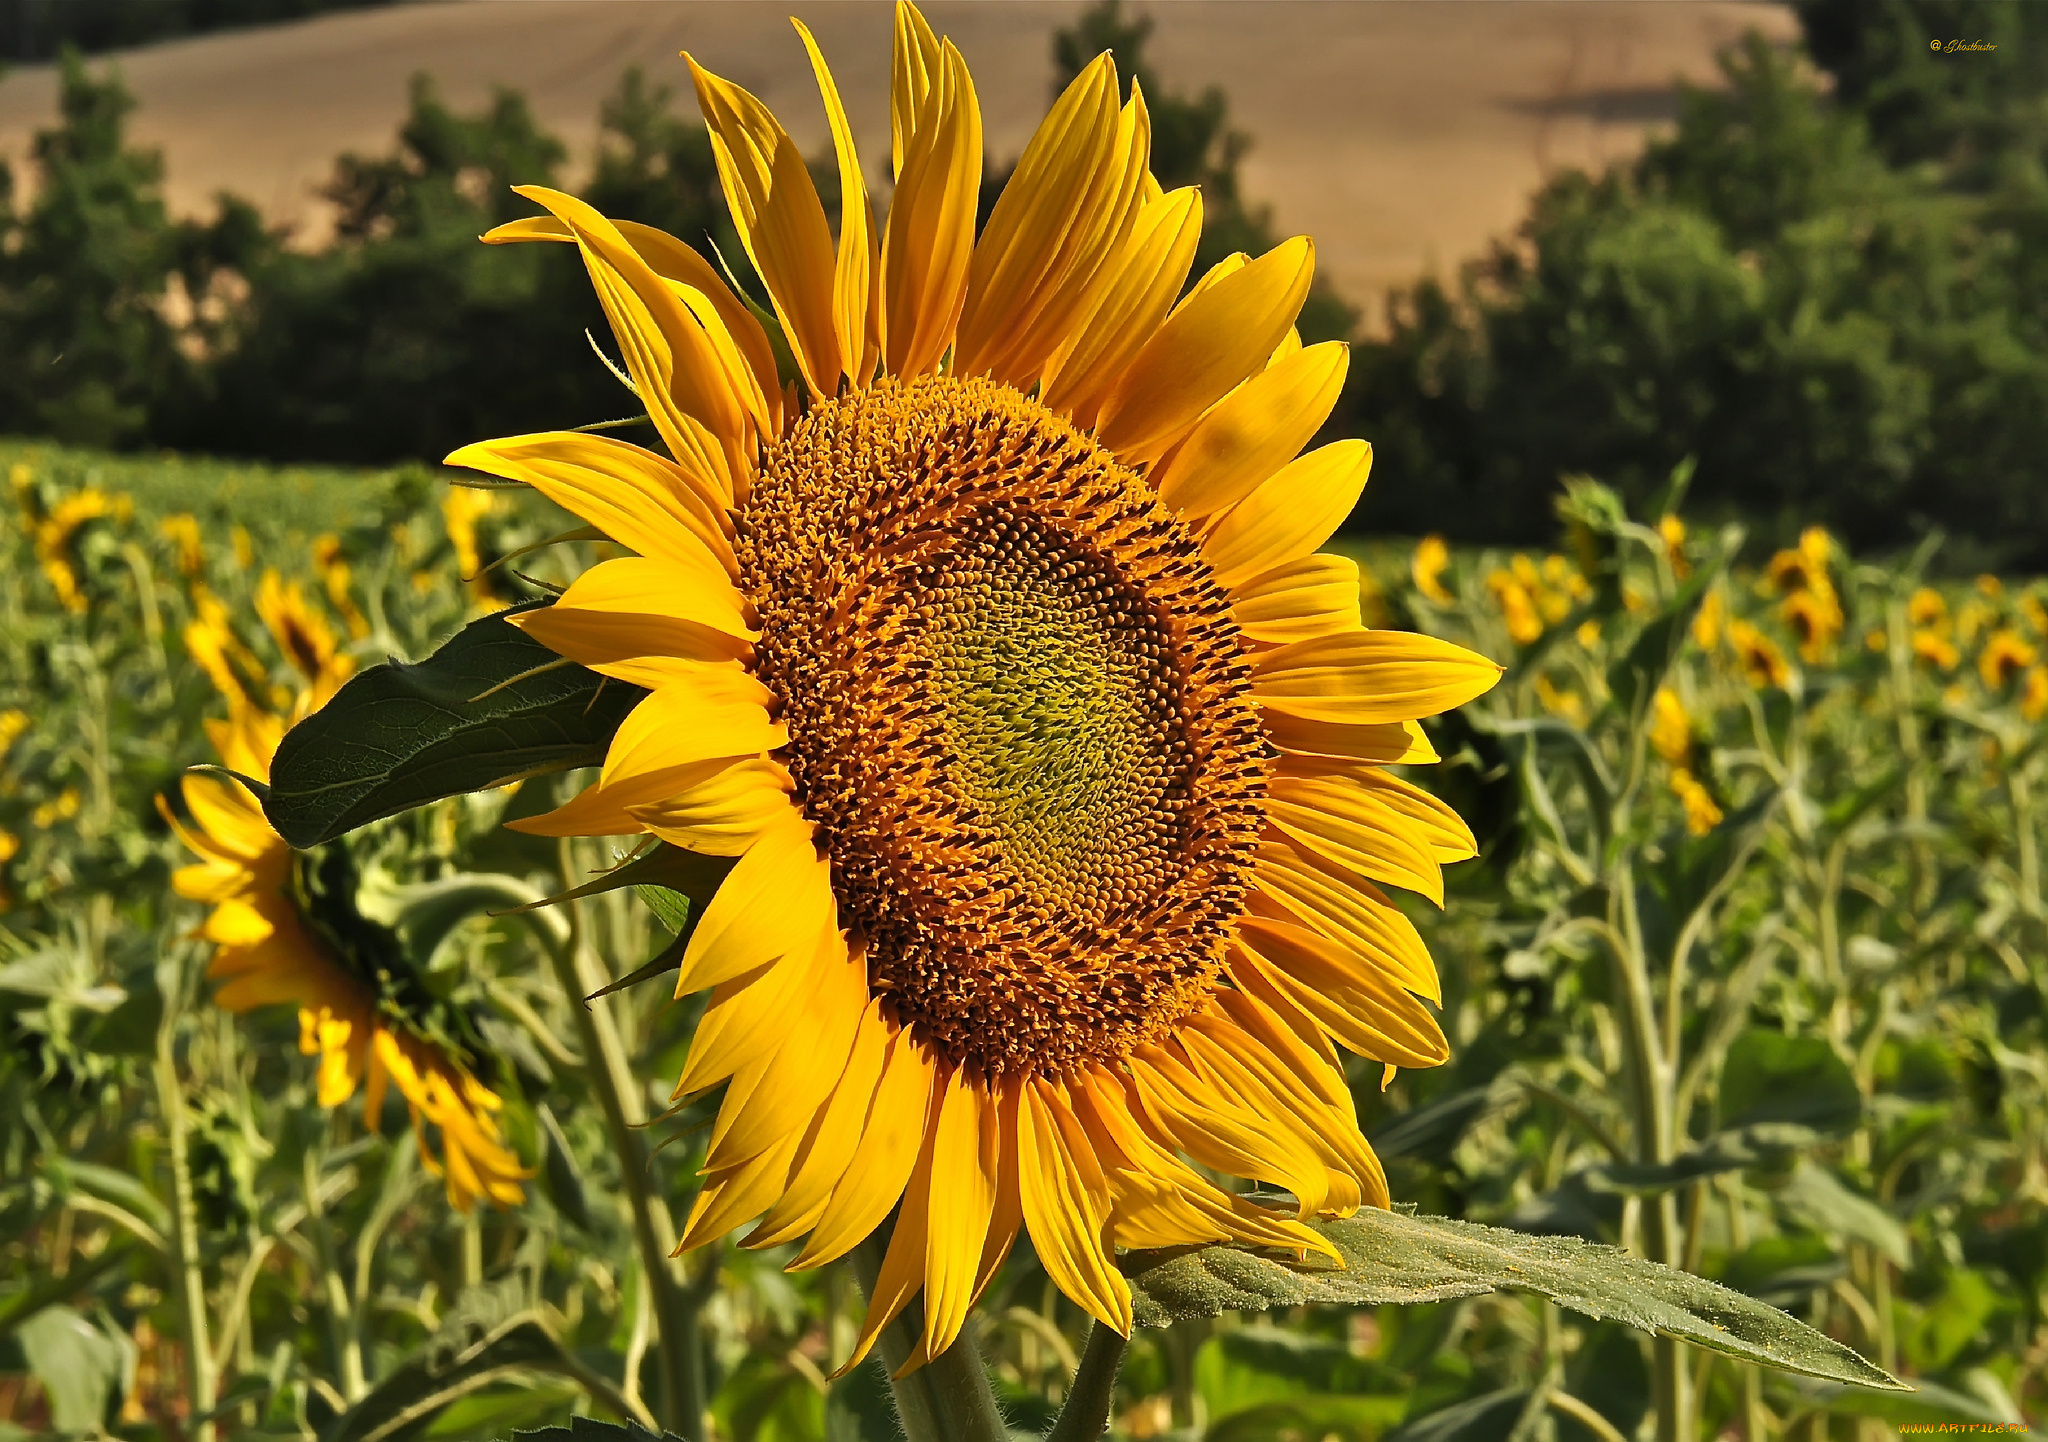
x: 991, y: 637
x: 285, y: 930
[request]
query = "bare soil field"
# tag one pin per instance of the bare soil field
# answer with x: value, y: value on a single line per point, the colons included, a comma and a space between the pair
x: 1402, y: 134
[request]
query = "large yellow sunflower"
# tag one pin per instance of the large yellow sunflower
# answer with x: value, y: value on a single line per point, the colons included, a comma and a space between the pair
x: 285, y: 930
x: 993, y: 641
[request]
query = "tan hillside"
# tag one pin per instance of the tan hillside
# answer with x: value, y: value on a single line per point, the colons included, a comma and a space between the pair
x: 1402, y: 134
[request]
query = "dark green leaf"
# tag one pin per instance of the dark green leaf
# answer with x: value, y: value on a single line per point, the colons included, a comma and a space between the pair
x: 589, y: 1429
x: 412, y: 1394
x: 1815, y: 1197
x: 1351, y: 1419
x: 1490, y: 1417
x: 1634, y: 678
x: 1389, y: 1257
x: 1770, y: 1077
x: 1783, y: 1270
x: 491, y: 706
x: 560, y: 1176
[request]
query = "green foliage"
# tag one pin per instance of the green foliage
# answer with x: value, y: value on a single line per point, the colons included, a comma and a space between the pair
x: 1830, y: 336
x: 86, y: 272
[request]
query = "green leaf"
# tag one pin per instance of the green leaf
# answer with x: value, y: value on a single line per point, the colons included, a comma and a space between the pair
x: 1392, y: 1258
x: 1815, y: 1197
x: 455, y: 1364
x: 1783, y: 1270
x: 589, y: 1429
x: 1351, y: 1419
x: 1255, y: 1366
x: 491, y: 706
x: 1770, y: 1077
x: 1489, y: 1417
x: 1634, y: 678
x: 80, y: 1366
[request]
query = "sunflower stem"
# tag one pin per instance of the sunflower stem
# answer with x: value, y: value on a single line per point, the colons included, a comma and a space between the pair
x: 949, y: 1398
x: 200, y: 1378
x: 1084, y: 1417
x: 609, y: 1075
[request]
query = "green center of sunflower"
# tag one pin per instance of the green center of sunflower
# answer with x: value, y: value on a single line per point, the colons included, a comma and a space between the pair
x: 1018, y: 712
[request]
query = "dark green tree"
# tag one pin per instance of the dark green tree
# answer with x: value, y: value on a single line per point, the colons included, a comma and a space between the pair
x: 93, y: 273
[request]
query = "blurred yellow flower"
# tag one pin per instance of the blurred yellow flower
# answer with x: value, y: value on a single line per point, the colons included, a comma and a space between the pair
x: 182, y: 531
x: 10, y: 846
x: 1426, y: 568
x: 1972, y: 618
x: 1936, y: 649
x: 1875, y: 640
x: 1805, y: 566
x: 2005, y: 655
x: 1927, y: 610
x: 13, y: 723
x: 1990, y: 587
x: 1815, y: 616
x: 1701, y: 814
x: 336, y: 576
x: 1709, y: 619
x: 2035, y: 612
x: 1517, y: 607
x: 54, y: 535
x: 2034, y: 699
x: 1589, y: 634
x: 244, y: 548
x: 461, y: 509
x: 1761, y: 661
x: 301, y: 633
x: 1670, y: 728
x: 1560, y: 702
x: 61, y: 807
x: 1672, y: 529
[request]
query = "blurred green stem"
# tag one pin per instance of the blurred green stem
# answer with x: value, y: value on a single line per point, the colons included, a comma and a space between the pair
x: 949, y: 1398
x: 190, y: 1280
x: 654, y: 1234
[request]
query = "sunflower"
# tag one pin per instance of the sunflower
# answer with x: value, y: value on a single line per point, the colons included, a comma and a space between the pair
x: 2006, y: 655
x: 1815, y: 616
x: 1762, y: 663
x: 285, y: 930
x: 991, y: 638
x: 1426, y: 568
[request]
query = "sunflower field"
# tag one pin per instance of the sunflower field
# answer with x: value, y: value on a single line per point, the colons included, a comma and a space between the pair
x: 1747, y: 978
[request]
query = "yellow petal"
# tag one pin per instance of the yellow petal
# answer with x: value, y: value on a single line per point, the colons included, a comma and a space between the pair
x: 852, y: 270
x: 1432, y: 822
x: 1252, y: 432
x: 1290, y: 514
x: 745, y: 1191
x: 666, y: 740
x: 776, y: 211
x: 935, y: 127
x: 1385, y: 743
x: 1065, y: 1199
x: 1241, y: 1068
x: 965, y: 1164
x: 834, y: 1132
x: 776, y: 1104
x: 1296, y: 885
x: 676, y: 367
x: 607, y: 810
x: 1024, y: 251
x: 1314, y: 596
x: 643, y: 501
x: 749, y: 1018
x: 892, y: 1134
x: 1147, y: 272
x: 1361, y: 1007
x: 1366, y: 677
x: 637, y: 606
x: 776, y: 899
x: 1215, y: 340
x: 1220, y: 1133
x: 672, y: 260
x: 1336, y: 817
x: 722, y: 814
x: 1104, y: 217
